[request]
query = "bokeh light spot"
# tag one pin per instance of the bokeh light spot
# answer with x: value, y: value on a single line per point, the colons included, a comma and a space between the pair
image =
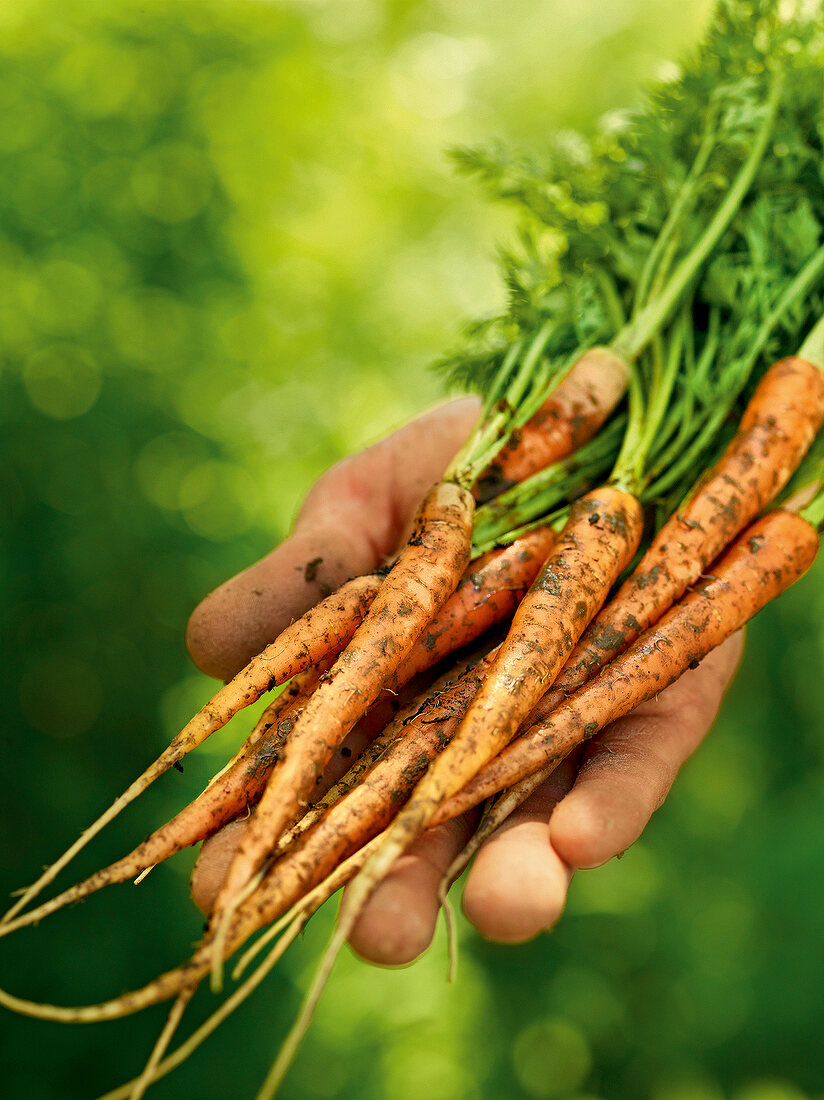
x: 150, y: 327
x: 551, y: 1058
x: 63, y: 381
x: 429, y: 1069
x: 217, y: 500
x: 430, y: 73
x: 172, y: 182
x: 67, y: 297
x: 770, y: 1090
x: 163, y: 464
x: 98, y: 77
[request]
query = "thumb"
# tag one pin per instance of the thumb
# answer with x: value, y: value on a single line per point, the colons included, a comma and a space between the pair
x: 352, y: 520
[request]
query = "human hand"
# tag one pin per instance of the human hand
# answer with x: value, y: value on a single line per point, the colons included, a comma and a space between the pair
x: 591, y: 809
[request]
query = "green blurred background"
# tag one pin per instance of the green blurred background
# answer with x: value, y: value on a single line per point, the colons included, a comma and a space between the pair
x: 230, y: 245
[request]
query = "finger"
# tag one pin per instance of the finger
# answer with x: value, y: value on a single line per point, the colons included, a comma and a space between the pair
x: 399, y: 921
x: 400, y: 918
x: 627, y: 771
x: 217, y: 852
x: 518, y: 884
x: 213, y: 862
x: 351, y: 521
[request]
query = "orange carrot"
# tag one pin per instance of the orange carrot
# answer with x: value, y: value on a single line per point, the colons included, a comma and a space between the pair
x: 324, y: 629
x: 488, y: 593
x: 764, y: 561
x: 568, y: 418
x: 597, y: 542
x: 419, y: 584
x: 778, y: 425
x: 403, y: 724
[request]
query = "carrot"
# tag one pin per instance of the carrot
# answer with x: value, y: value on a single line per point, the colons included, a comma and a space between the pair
x: 324, y: 629
x: 402, y: 728
x: 367, y: 808
x: 364, y: 810
x: 764, y: 561
x: 488, y: 593
x: 301, y: 685
x: 574, y: 412
x: 397, y: 757
x: 417, y: 712
x: 419, y: 584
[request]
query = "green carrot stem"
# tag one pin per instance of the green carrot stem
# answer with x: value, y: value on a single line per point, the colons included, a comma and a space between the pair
x: 623, y: 474
x: 661, y: 394
x: 520, y: 383
x: 635, y: 336
x: 555, y: 520
x: 813, y: 347
x: 496, y: 389
x: 684, y: 200
x: 630, y: 470
x: 814, y: 512
x: 542, y: 491
x: 612, y: 299
x: 667, y: 447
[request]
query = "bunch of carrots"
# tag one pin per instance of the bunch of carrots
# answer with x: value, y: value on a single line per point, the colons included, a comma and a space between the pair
x: 641, y: 480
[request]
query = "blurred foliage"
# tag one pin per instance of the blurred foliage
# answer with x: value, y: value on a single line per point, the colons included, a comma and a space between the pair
x: 230, y: 242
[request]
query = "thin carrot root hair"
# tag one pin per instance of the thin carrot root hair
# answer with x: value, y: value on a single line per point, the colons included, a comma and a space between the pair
x: 247, y: 921
x: 147, y: 1076
x: 232, y: 1002
x: 227, y: 795
x: 322, y: 630
x: 288, y: 927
